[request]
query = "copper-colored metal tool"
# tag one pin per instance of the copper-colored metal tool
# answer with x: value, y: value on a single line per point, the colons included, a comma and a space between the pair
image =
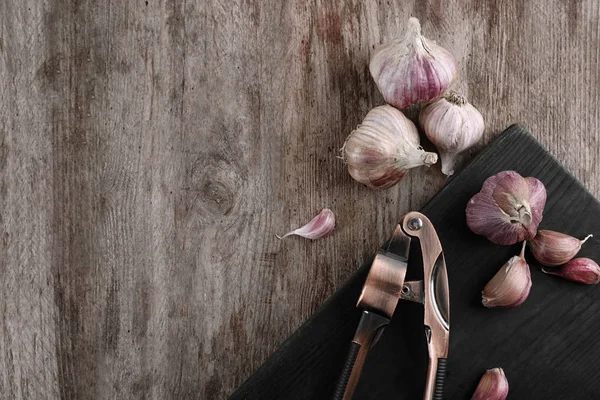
x: 383, y: 288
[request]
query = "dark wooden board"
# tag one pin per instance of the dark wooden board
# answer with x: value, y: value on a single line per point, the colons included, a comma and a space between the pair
x: 548, y: 347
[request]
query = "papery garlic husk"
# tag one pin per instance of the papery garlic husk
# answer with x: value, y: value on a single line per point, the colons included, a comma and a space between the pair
x: 581, y: 269
x: 318, y: 227
x: 552, y: 248
x: 510, y: 286
x: 493, y: 385
x: 453, y: 125
x: 412, y: 70
x: 508, y: 209
x: 381, y: 149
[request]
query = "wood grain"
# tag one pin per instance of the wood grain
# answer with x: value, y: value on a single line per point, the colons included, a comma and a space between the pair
x: 151, y: 150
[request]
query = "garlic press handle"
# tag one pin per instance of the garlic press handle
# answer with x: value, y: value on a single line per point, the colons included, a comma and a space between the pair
x: 436, y: 374
x: 436, y: 300
x: 365, y: 337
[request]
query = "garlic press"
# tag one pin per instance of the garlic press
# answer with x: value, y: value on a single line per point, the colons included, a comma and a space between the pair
x: 383, y: 288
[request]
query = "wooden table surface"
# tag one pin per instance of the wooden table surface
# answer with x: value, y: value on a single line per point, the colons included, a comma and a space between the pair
x: 151, y: 150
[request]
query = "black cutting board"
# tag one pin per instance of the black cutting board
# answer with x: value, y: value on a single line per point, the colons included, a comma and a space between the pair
x: 548, y: 347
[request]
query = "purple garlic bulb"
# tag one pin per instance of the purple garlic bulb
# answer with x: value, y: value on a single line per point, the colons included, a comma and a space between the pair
x: 508, y: 209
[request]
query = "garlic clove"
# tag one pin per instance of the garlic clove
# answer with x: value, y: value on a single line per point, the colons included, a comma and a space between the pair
x: 381, y: 149
x: 412, y: 70
x: 453, y: 125
x: 582, y: 270
x: 510, y: 286
x: 508, y: 209
x: 552, y: 248
x: 318, y: 227
x: 493, y: 385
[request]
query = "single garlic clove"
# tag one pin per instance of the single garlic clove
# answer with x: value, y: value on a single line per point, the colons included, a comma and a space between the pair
x: 381, y: 149
x: 508, y: 209
x: 318, y: 227
x: 511, y: 284
x: 552, y: 248
x: 453, y: 125
x: 493, y: 385
x: 412, y: 70
x: 582, y: 270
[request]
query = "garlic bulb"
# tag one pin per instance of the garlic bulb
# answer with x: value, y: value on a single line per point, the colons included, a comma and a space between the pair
x: 510, y: 286
x: 492, y: 386
x: 554, y: 248
x: 412, y: 70
x: 381, y: 149
x: 453, y: 125
x: 318, y: 227
x: 508, y: 209
x: 582, y: 270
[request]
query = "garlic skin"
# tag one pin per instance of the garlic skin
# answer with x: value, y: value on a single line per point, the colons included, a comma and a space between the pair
x: 412, y: 70
x: 381, y: 149
x: 493, y: 385
x: 318, y: 227
x: 552, y: 248
x: 510, y: 286
x: 581, y: 270
x: 453, y: 125
x: 508, y: 209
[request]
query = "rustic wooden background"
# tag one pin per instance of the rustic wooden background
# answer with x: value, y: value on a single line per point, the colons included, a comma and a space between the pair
x: 151, y: 150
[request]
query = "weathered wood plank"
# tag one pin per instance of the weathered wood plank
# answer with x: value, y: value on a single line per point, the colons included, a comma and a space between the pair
x: 150, y: 150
